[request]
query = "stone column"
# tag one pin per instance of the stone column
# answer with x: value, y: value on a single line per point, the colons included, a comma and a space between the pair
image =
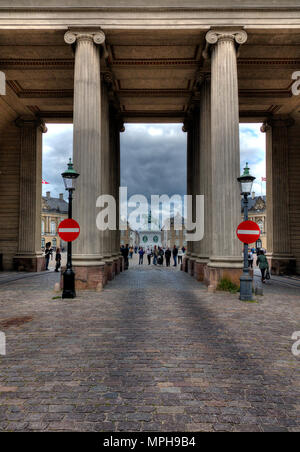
x: 116, y: 126
x: 205, y: 178
x: 188, y: 127
x: 278, y: 221
x: 29, y: 256
x: 87, y: 257
x: 226, y: 257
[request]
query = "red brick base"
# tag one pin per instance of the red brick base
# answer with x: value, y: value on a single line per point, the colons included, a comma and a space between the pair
x: 29, y: 264
x: 117, y: 266
x: 213, y: 275
x: 90, y: 278
x: 110, y: 270
x: 191, y: 264
x: 184, y: 266
x: 199, y: 269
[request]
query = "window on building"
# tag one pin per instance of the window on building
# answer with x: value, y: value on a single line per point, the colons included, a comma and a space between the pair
x: 54, y: 243
x: 43, y: 227
x: 53, y: 228
x: 261, y: 226
x: 43, y: 243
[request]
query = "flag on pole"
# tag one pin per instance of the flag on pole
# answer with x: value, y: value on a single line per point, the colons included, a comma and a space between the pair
x: 45, y: 182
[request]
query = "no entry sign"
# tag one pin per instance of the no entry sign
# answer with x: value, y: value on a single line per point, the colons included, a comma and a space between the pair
x: 248, y: 232
x: 68, y: 230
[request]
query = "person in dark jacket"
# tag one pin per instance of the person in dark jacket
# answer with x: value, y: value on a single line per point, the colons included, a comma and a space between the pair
x: 175, y: 253
x: 168, y: 256
x: 48, y: 254
x: 57, y: 259
x: 141, y: 256
x: 161, y: 256
x: 126, y: 253
x: 263, y: 264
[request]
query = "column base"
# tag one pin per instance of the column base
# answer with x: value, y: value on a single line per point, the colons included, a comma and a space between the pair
x: 219, y: 268
x: 215, y: 274
x: 199, y: 270
x: 117, y: 266
x: 110, y: 269
x: 90, y: 277
x: 184, y: 266
x: 29, y: 263
x: 191, y: 265
x: 282, y: 264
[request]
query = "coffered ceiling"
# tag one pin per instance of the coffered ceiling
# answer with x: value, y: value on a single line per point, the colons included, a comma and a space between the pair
x: 154, y: 73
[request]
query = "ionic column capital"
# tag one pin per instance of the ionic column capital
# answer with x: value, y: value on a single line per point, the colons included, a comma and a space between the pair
x: 98, y: 37
x: 31, y: 123
x: 214, y: 36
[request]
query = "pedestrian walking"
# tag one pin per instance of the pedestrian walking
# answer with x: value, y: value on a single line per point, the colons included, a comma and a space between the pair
x: 131, y: 252
x: 141, y: 256
x: 250, y: 259
x: 168, y: 257
x: 180, y: 255
x: 48, y: 254
x: 263, y: 264
x: 160, y: 256
x: 57, y: 260
x: 155, y: 255
x: 149, y: 255
x: 175, y: 253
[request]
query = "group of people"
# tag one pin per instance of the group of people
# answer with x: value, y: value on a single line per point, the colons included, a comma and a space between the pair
x: 49, y: 254
x: 155, y: 255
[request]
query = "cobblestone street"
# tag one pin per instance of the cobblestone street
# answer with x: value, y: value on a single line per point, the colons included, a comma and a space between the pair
x: 152, y: 352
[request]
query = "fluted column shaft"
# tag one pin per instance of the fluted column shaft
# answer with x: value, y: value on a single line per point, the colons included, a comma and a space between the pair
x: 278, y: 228
x: 188, y: 127
x: 205, y: 170
x: 87, y: 144
x: 226, y: 249
x: 30, y: 187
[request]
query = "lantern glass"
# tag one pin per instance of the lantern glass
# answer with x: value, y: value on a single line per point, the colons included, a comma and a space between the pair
x: 70, y: 177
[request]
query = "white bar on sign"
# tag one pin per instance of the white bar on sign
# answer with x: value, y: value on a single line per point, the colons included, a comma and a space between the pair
x: 248, y: 232
x: 69, y: 230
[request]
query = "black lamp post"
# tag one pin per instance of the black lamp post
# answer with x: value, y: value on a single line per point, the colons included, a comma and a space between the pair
x: 246, y: 182
x: 69, y: 178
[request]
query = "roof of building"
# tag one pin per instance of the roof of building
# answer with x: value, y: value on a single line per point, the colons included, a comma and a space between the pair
x: 257, y: 204
x: 51, y: 204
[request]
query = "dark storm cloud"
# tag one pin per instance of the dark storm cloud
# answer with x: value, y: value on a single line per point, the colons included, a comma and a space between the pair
x: 57, y: 149
x: 153, y: 159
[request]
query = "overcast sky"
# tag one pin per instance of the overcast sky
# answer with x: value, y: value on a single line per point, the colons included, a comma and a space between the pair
x: 153, y: 157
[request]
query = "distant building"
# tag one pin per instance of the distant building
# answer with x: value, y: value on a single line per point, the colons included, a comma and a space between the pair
x: 172, y: 236
x: 54, y: 210
x: 150, y: 238
x: 129, y: 237
x: 257, y: 206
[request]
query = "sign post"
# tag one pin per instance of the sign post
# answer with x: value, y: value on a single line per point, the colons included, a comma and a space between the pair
x: 69, y: 231
x: 247, y: 232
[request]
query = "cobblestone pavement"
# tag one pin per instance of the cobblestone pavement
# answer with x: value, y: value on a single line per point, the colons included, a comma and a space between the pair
x: 152, y: 352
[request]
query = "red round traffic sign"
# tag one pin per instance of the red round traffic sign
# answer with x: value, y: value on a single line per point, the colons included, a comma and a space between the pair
x: 69, y: 230
x: 248, y: 232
